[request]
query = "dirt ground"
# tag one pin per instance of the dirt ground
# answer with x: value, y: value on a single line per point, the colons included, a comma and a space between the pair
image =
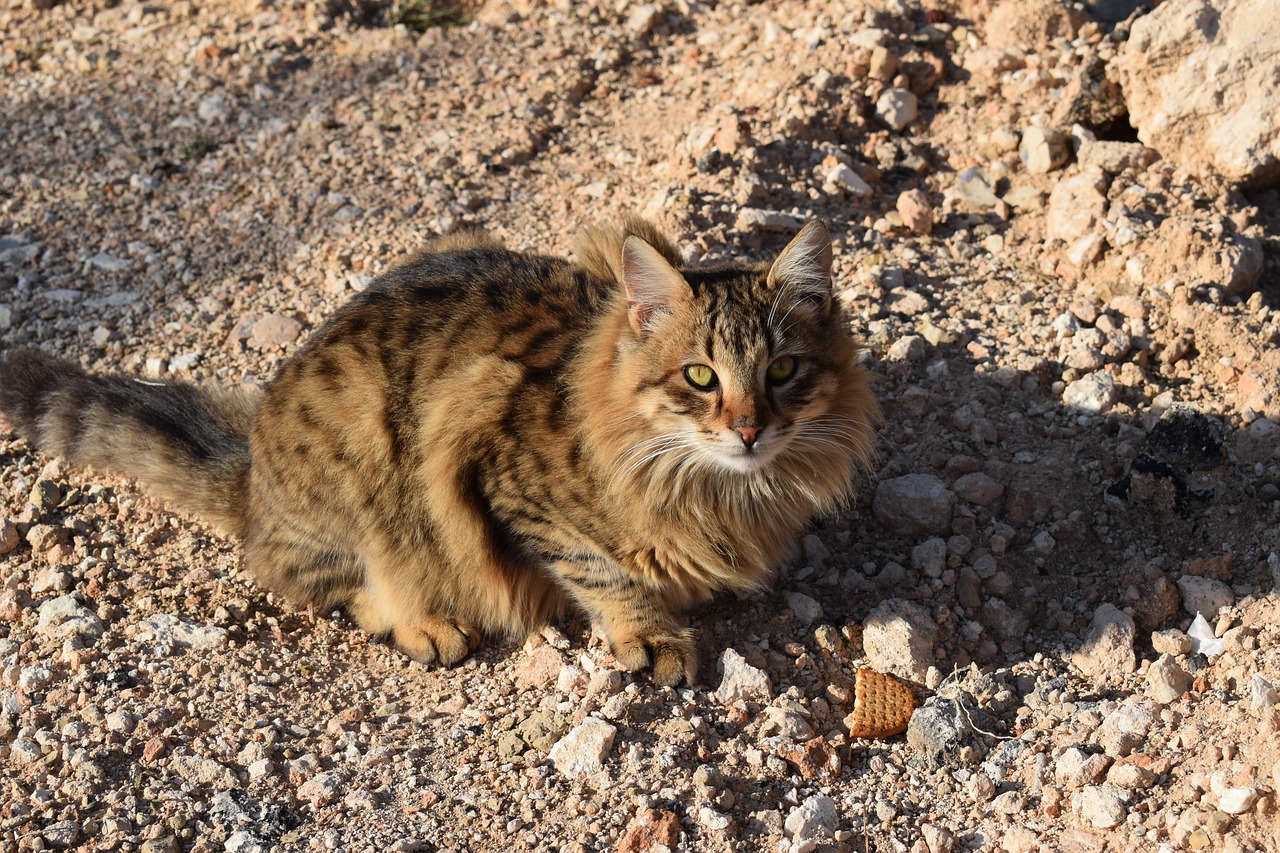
x: 1078, y: 368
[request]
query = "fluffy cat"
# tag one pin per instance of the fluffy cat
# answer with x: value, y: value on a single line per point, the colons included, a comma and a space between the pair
x: 483, y: 437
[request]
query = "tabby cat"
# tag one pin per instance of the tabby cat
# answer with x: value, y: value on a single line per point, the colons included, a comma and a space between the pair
x: 484, y: 436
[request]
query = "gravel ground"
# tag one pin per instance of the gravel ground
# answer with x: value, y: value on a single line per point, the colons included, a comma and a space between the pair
x: 1075, y: 345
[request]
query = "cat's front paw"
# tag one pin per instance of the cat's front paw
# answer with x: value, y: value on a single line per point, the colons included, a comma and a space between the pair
x: 670, y: 653
x: 433, y: 639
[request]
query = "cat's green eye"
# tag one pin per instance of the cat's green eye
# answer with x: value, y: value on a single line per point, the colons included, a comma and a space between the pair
x: 782, y: 369
x: 701, y: 376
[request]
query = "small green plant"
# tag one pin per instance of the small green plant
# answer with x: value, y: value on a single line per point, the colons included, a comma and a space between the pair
x: 197, y: 147
x: 422, y: 15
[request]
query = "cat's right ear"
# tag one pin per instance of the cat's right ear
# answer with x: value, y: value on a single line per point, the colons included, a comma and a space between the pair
x: 653, y: 286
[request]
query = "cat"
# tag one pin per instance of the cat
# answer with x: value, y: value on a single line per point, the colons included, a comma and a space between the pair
x: 482, y: 438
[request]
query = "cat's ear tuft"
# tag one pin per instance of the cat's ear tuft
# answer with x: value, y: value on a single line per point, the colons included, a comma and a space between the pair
x: 803, y: 269
x: 653, y: 286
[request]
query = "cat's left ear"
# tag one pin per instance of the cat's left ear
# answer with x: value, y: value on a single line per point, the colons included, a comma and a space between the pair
x: 804, y: 267
x: 653, y: 286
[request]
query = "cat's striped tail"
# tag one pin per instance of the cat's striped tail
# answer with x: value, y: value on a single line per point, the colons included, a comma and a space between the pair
x: 189, y: 445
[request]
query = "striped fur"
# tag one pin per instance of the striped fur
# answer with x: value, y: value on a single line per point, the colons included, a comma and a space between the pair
x: 483, y: 438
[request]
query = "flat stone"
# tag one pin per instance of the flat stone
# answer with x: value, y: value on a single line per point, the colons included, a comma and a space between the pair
x: 582, y: 751
x: 1204, y: 595
x: 110, y: 263
x: 914, y: 505
x: 65, y: 617
x: 1125, y: 729
x: 1237, y: 800
x: 978, y: 488
x: 1103, y: 806
x: 898, y: 638
x: 651, y: 831
x: 754, y: 219
x: 976, y: 188
x: 538, y: 668
x: 806, y: 609
x: 741, y: 682
x: 172, y: 630
x: 273, y: 330
x: 1171, y: 642
x: 843, y: 177
x: 814, y: 819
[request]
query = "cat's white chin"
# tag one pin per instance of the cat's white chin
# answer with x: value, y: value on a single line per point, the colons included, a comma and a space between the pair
x: 745, y: 461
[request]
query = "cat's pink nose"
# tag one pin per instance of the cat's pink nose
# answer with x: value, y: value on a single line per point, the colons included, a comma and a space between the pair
x: 748, y: 433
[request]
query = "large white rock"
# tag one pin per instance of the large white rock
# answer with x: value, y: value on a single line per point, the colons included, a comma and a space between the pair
x: 742, y: 682
x: 1199, y: 79
x: 1107, y: 650
x: 898, y: 638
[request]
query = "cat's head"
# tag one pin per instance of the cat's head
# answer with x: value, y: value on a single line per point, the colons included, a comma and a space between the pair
x: 738, y: 367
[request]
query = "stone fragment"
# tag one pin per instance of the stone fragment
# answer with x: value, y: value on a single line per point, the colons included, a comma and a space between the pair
x: 714, y: 820
x: 61, y: 834
x: 171, y: 630
x: 1125, y: 729
x: 582, y: 751
x: 1171, y: 642
x: 65, y: 617
x: 323, y: 788
x: 1204, y: 595
x: 930, y: 557
x: 815, y: 552
x: 1262, y: 694
x: 273, y: 330
x: 898, y: 637
x: 754, y: 219
x: 1166, y: 681
x: 813, y: 820
x: 651, y: 831
x: 741, y: 682
x: 6, y: 316
x: 1077, y: 204
x: 937, y: 731
x: 916, y: 211
x: 214, y: 108
x: 9, y: 536
x: 1189, y: 251
x: 1043, y: 149
x: 539, y: 668
x: 1225, y: 122
x: 1030, y: 26
x: 978, y: 488
x: 1237, y: 800
x: 806, y: 609
x: 1103, y: 806
x: 1094, y: 393
x: 1107, y: 650
x: 975, y: 187
x: 914, y: 505
x: 843, y: 178
x: 1115, y: 157
x: 642, y: 19
x: 542, y: 729
x: 897, y: 108
x: 110, y: 263
x: 1131, y: 777
x: 909, y: 348
x: 202, y: 771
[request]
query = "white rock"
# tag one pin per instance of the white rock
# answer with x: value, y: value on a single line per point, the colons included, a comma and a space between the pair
x: 242, y: 841
x: 1204, y: 595
x: 1166, y: 681
x: 816, y: 818
x: 845, y: 178
x: 1103, y: 805
x: 1237, y: 800
x: 754, y: 219
x: 741, y: 681
x: 909, y: 348
x: 714, y: 820
x: 897, y: 108
x: 110, y: 263
x: 582, y: 751
x: 1094, y: 393
x: 898, y: 637
x: 1170, y: 642
x: 323, y: 788
x: 1107, y: 650
x: 1043, y: 149
x: 1261, y: 693
x: 166, y: 628
x: 214, y: 108
x: 930, y: 557
x: 6, y: 316
x: 65, y: 617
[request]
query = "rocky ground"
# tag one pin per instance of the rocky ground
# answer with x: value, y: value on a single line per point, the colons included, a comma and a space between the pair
x: 1066, y: 269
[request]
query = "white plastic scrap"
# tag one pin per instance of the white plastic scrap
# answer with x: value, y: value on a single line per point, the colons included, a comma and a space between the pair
x: 1202, y: 640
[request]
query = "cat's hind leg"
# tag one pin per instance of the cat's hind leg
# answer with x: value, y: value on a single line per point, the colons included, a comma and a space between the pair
x: 397, y: 598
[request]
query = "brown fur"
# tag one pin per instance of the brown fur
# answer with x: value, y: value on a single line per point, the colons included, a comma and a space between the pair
x: 484, y: 437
